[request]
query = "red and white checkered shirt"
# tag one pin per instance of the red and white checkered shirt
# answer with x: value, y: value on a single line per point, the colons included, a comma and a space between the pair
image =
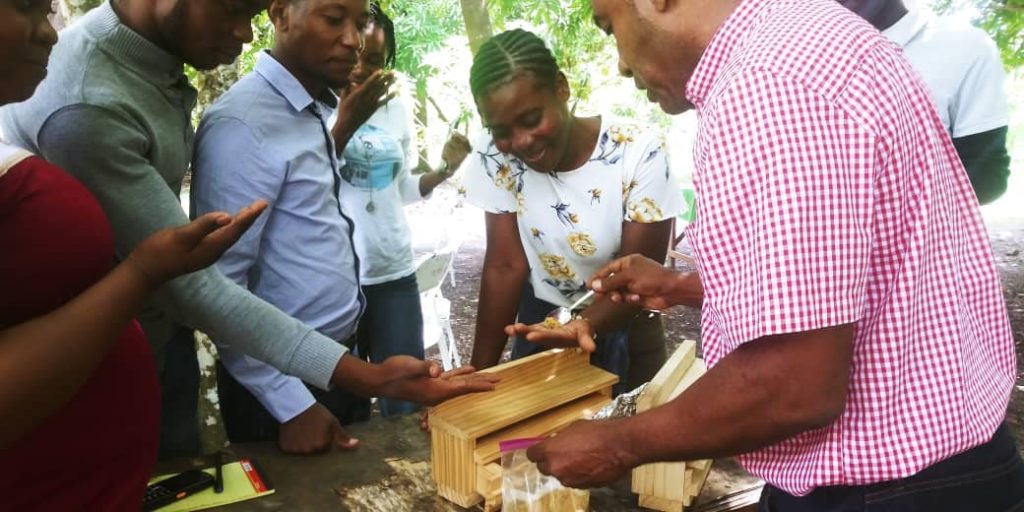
x: 829, y: 193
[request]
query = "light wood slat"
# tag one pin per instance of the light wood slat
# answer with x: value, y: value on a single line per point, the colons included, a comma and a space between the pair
x: 542, y: 425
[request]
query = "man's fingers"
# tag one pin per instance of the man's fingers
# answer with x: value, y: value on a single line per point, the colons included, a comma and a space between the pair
x: 517, y: 329
x: 433, y: 369
x: 246, y: 216
x: 194, y: 232
x: 462, y: 370
x: 387, y: 99
x: 342, y: 439
x: 230, y: 233
x: 615, y: 267
x: 620, y: 280
x: 477, y: 382
x: 536, y: 452
x: 587, y: 343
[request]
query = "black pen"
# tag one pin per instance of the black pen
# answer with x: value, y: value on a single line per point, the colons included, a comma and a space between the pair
x: 218, y: 478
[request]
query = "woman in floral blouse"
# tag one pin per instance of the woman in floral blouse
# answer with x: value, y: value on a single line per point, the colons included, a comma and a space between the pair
x: 563, y: 196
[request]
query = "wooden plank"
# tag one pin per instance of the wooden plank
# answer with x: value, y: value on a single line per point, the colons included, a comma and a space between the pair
x: 488, y: 480
x: 687, y: 498
x: 674, y: 478
x: 668, y: 376
x: 453, y: 468
x: 695, y: 483
x: 541, y: 425
x: 696, y: 371
x: 666, y: 486
x: 524, y: 391
x: 658, y: 503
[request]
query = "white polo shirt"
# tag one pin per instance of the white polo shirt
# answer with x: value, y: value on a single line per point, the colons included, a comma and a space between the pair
x: 961, y: 67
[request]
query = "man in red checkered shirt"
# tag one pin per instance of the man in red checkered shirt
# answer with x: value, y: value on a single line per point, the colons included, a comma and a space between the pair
x: 859, y: 347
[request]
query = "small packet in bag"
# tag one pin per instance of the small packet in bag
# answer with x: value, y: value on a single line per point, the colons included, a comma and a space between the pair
x: 525, y: 489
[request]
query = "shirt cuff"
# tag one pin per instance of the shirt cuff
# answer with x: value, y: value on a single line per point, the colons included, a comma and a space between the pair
x: 315, y: 359
x: 288, y: 400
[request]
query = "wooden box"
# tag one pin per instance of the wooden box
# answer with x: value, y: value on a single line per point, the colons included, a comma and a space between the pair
x: 671, y: 486
x: 537, y: 396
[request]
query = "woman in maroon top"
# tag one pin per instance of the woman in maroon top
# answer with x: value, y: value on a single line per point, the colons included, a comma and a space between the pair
x: 79, y: 398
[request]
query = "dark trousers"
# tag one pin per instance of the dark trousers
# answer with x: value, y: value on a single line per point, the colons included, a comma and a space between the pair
x: 179, y: 395
x: 392, y: 325
x: 634, y: 353
x: 987, y: 478
x: 246, y: 420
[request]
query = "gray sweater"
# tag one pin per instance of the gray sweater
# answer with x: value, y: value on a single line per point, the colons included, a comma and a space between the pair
x: 115, y: 113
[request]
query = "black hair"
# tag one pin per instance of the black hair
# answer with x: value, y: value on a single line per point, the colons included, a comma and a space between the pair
x: 380, y: 20
x: 506, y: 56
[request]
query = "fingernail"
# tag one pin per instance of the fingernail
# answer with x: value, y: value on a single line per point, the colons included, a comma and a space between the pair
x: 596, y: 285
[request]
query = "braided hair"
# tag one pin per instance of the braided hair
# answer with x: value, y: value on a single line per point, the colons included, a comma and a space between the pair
x: 507, y: 56
x: 380, y: 20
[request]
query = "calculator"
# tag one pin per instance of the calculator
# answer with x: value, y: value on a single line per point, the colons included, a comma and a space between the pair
x: 177, y: 487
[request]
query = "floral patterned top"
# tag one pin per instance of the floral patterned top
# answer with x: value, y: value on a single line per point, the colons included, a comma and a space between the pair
x: 570, y: 223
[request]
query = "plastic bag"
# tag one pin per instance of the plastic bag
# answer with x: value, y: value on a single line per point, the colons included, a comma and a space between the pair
x: 525, y: 489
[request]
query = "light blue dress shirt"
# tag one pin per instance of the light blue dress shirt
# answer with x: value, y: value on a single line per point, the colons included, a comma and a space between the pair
x: 266, y: 138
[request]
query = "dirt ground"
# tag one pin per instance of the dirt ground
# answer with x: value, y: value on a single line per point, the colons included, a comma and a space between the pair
x: 684, y: 323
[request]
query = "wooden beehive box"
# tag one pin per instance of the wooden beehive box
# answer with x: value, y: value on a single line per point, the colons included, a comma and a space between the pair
x: 537, y: 396
x: 671, y: 486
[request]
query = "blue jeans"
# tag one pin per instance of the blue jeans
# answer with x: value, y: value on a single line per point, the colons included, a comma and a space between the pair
x: 392, y: 325
x: 987, y: 478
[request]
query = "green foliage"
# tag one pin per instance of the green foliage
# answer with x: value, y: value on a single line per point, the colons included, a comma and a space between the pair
x: 422, y: 28
x: 1002, y: 19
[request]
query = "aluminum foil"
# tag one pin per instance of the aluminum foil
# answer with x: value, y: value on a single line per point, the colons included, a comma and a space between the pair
x: 622, y: 405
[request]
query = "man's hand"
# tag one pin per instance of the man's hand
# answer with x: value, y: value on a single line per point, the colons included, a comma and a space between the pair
x: 175, y: 251
x: 315, y: 430
x: 358, y: 102
x: 455, y: 152
x: 584, y: 455
x: 449, y: 375
x: 576, y: 333
x: 640, y: 281
x: 414, y: 380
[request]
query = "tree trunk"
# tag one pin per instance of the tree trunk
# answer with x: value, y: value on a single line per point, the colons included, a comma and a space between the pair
x: 478, y: 22
x: 421, y: 120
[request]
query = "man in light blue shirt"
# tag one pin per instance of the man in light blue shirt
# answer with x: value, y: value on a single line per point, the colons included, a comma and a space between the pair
x: 267, y: 138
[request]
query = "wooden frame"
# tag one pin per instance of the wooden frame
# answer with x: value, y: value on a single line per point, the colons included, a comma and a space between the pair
x: 537, y: 396
x: 671, y: 486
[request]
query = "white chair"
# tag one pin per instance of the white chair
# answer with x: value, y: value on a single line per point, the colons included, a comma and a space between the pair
x: 437, y: 327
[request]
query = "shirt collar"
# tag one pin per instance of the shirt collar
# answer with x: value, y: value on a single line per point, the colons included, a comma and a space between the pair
x: 285, y: 83
x: 720, y: 49
x: 907, y: 28
x: 133, y: 50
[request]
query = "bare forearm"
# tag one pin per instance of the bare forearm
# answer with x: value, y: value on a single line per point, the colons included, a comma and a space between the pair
x: 343, y: 131
x: 687, y: 290
x: 500, y: 291
x: 44, y: 362
x: 753, y: 398
x: 431, y: 180
x: 605, y: 315
x: 358, y: 376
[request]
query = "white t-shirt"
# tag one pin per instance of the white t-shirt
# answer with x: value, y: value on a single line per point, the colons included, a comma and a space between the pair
x: 570, y: 223
x: 960, y: 65
x: 376, y: 185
